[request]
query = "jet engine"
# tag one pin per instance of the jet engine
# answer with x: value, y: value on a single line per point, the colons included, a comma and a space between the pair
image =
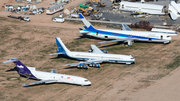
x: 82, y: 66
x: 94, y: 65
x: 98, y: 65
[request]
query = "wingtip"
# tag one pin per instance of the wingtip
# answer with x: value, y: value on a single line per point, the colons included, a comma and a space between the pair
x: 81, y: 16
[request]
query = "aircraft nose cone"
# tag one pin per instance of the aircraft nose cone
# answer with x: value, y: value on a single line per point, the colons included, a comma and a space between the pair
x: 89, y: 83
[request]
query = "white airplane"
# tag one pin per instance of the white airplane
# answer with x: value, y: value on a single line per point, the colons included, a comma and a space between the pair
x: 46, y: 77
x: 124, y: 35
x: 174, y: 10
x: 94, y: 58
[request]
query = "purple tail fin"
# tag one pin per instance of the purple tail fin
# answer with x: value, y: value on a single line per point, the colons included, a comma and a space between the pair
x: 23, y: 70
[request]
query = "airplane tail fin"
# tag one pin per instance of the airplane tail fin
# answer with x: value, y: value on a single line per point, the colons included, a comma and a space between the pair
x: 86, y: 23
x: 21, y: 67
x: 61, y: 47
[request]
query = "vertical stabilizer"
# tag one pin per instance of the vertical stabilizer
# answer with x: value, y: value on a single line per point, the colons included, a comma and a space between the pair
x: 61, y: 47
x: 21, y: 67
x: 86, y: 23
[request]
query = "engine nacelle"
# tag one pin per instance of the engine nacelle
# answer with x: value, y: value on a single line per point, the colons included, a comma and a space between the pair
x: 104, y: 51
x: 85, y: 66
x: 92, y: 64
x: 98, y: 65
x: 80, y: 66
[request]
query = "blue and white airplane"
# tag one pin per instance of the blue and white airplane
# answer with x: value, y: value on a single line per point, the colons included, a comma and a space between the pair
x: 124, y: 35
x: 93, y: 58
x: 46, y: 77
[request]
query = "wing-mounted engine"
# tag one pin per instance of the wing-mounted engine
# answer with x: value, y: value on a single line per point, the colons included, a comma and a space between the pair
x: 95, y: 65
x: 80, y: 66
x: 129, y: 42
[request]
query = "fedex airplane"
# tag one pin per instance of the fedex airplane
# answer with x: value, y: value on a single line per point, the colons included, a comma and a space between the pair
x: 124, y: 35
x: 93, y: 58
x: 46, y: 77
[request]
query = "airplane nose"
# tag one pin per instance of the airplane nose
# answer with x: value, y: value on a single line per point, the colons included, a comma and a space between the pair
x: 89, y: 83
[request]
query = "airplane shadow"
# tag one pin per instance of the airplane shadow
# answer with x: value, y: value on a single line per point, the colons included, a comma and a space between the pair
x: 54, y: 83
x: 12, y: 69
x: 62, y: 56
x: 91, y: 37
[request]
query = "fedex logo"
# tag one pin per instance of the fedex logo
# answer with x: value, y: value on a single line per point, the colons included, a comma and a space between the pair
x: 20, y: 66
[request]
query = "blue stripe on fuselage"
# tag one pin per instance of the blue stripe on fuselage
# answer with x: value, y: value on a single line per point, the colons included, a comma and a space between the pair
x: 92, y: 30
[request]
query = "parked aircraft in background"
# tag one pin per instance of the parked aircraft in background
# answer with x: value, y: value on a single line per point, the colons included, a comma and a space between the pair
x: 154, y: 9
x: 142, y: 8
x: 124, y: 35
x: 165, y: 31
x: 46, y: 77
x: 174, y: 10
x: 93, y: 58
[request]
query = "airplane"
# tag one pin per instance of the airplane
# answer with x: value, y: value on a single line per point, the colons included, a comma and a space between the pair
x: 126, y: 35
x: 46, y: 77
x: 93, y: 58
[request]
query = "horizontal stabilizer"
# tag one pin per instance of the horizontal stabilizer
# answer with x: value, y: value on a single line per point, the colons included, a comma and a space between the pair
x: 96, y: 49
x: 40, y: 82
x: 125, y: 27
x: 56, y: 53
x: 11, y: 60
x: 78, y: 33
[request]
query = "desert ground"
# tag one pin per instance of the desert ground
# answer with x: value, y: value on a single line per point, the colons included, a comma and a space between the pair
x: 153, y: 77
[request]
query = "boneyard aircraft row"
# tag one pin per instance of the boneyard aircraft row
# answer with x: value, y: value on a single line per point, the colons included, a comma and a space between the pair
x: 46, y: 77
x: 93, y: 58
x: 124, y: 35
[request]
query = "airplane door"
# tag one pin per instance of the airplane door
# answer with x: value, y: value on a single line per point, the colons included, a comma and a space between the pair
x: 97, y: 33
x: 161, y: 37
x: 129, y: 35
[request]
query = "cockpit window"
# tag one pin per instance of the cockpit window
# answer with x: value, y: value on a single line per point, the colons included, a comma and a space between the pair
x: 86, y: 80
x: 168, y: 36
x: 132, y: 58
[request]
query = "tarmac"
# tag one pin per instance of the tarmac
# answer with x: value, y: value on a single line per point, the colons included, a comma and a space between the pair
x: 117, y: 16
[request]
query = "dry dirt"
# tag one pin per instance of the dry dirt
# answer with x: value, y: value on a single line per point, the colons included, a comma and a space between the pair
x: 154, y: 76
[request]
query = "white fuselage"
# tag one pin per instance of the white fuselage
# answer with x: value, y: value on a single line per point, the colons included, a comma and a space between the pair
x: 120, y: 34
x: 142, y: 7
x: 61, y: 78
x: 95, y: 56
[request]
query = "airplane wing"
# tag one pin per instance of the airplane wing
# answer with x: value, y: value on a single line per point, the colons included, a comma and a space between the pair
x: 125, y: 39
x: 86, y: 62
x: 96, y: 49
x: 40, y: 82
x: 125, y: 27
